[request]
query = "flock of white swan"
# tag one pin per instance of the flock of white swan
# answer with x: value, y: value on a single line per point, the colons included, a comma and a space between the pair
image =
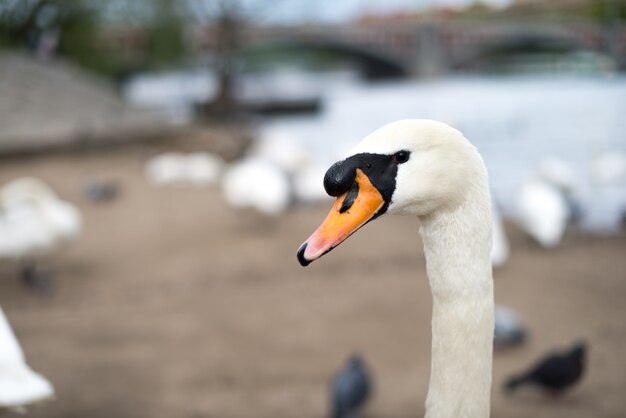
x: 438, y: 176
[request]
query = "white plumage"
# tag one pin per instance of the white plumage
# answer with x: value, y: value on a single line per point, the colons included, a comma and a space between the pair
x: 440, y: 178
x: 542, y: 211
x: 166, y: 168
x: 258, y: 184
x: 308, y: 184
x: 33, y: 220
x: 202, y: 168
x: 559, y: 173
x: 500, y: 245
x: 610, y: 168
x: 194, y: 169
x: 19, y: 385
x: 281, y: 149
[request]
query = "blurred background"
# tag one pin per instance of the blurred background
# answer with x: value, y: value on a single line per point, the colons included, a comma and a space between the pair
x: 162, y: 160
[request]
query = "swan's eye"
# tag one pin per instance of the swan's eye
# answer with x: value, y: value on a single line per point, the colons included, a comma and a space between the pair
x: 401, y: 156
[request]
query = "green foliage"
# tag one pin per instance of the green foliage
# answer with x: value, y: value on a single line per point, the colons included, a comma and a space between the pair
x: 83, y: 23
x: 165, y: 36
x: 606, y: 10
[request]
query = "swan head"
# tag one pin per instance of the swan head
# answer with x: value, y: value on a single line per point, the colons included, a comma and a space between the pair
x: 409, y: 167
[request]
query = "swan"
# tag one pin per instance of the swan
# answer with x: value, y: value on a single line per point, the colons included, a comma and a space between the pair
x: 240, y: 186
x: 19, y: 385
x: 34, y: 222
x: 427, y: 169
x: 547, y: 201
x: 281, y: 148
x: 542, y: 212
x: 500, y: 247
x: 307, y: 183
x: 35, y: 219
x: 195, y: 169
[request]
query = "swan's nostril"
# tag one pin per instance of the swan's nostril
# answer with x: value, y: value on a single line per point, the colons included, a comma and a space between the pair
x: 340, y: 177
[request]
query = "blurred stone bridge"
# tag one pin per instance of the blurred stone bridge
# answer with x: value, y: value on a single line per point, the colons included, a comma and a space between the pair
x: 427, y: 49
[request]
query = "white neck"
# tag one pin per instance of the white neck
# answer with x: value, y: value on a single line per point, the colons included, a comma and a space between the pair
x: 457, y: 246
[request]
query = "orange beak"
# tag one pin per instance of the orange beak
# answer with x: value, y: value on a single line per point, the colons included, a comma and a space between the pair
x: 347, y: 215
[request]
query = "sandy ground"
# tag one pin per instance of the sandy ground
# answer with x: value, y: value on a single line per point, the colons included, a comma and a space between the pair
x: 173, y: 305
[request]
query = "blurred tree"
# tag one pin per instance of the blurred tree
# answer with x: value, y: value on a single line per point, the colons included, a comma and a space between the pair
x: 22, y: 22
x: 78, y: 27
x: 227, y: 19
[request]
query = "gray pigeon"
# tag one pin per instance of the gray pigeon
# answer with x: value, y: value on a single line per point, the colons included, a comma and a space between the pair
x: 350, y: 389
x: 99, y: 190
x: 508, y: 331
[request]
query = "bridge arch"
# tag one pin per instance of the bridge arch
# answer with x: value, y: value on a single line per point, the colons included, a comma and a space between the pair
x: 370, y: 64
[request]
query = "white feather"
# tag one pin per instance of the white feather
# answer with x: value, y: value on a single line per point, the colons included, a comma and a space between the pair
x: 500, y: 245
x: 257, y: 184
x: 33, y: 220
x: 19, y: 385
x: 308, y: 184
x: 542, y: 212
x: 281, y: 149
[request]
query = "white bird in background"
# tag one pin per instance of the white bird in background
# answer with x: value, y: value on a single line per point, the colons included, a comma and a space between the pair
x: 34, y: 222
x: 203, y: 168
x: 166, y: 168
x: 542, y: 212
x: 257, y: 184
x: 281, y: 149
x: 19, y: 385
x: 560, y: 174
x: 193, y: 169
x: 308, y: 184
x: 500, y: 246
x: 548, y: 201
x: 610, y: 169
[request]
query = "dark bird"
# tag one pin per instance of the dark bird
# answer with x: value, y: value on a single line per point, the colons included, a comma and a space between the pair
x: 555, y: 373
x: 100, y: 190
x: 350, y: 389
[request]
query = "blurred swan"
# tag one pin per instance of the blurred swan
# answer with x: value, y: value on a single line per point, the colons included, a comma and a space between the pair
x: 547, y: 201
x: 257, y: 184
x: 610, y: 168
x: 166, y: 168
x: 35, y: 218
x: 500, y: 246
x: 19, y: 385
x: 202, y: 168
x: 308, y: 183
x: 558, y: 173
x: 196, y: 169
x: 542, y: 212
x: 282, y: 149
x: 34, y: 222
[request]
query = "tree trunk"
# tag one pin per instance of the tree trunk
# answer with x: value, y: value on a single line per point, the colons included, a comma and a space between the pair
x: 226, y: 51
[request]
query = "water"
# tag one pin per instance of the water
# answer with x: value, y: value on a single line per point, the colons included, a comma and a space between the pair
x: 516, y: 123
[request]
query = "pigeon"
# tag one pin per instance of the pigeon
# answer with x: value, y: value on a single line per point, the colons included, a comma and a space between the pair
x: 99, y: 190
x: 555, y: 373
x: 508, y: 330
x: 350, y: 389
